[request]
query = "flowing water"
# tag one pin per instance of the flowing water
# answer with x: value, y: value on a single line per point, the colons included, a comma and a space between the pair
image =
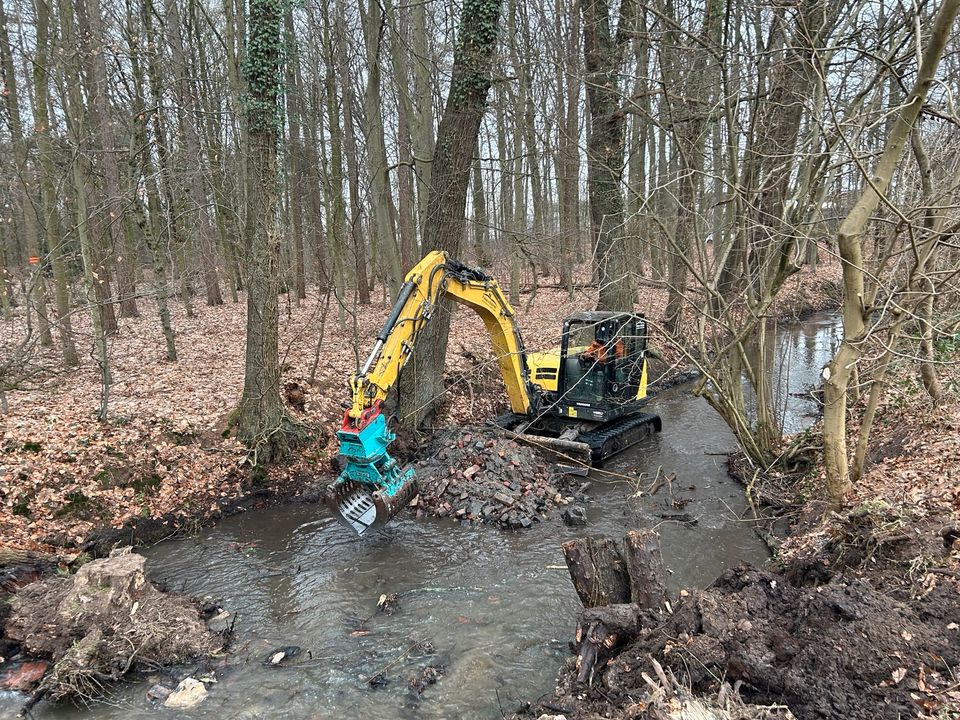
x: 496, y: 608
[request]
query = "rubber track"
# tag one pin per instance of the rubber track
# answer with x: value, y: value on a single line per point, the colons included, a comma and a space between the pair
x: 605, y: 441
x: 620, y: 435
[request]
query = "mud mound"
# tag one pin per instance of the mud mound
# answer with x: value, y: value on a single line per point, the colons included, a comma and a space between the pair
x: 102, y: 622
x: 477, y: 474
x: 842, y: 650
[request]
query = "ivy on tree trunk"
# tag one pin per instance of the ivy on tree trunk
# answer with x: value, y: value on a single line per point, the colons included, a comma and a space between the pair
x: 263, y: 423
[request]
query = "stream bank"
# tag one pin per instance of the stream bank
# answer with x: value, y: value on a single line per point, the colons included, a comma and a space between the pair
x: 859, y: 619
x: 844, y: 649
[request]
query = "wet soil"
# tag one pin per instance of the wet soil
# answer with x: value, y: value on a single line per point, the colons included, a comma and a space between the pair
x: 840, y: 650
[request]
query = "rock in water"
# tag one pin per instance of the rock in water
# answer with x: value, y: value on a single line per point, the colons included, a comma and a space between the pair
x: 282, y: 654
x: 575, y: 516
x: 158, y: 693
x: 189, y: 694
x: 425, y: 678
x: 23, y: 677
x: 220, y: 623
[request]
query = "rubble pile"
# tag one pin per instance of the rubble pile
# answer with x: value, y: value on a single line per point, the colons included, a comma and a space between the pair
x: 477, y: 474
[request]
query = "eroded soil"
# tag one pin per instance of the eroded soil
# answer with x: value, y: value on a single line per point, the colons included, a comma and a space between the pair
x: 839, y: 650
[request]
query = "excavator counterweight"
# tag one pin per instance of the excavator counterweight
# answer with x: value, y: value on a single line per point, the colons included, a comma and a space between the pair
x: 582, y: 399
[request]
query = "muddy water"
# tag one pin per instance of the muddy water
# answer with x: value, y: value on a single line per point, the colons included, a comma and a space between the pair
x: 496, y: 608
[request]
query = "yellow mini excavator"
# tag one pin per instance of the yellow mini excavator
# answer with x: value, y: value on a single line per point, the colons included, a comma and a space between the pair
x: 583, y: 399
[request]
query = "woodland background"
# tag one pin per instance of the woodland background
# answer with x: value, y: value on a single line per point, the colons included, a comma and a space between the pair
x: 699, y: 161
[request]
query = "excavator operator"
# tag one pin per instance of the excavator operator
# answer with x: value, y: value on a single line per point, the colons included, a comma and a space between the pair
x: 602, y: 352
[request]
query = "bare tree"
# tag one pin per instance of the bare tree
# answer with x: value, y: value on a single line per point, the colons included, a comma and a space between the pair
x: 850, y: 243
x: 262, y: 420
x: 604, y: 48
x: 444, y: 225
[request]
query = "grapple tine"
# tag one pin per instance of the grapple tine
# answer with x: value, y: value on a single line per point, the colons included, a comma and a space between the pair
x: 360, y: 507
x: 353, y: 505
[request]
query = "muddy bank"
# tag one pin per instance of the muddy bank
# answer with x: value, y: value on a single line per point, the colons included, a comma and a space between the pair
x: 843, y: 649
x: 73, y: 636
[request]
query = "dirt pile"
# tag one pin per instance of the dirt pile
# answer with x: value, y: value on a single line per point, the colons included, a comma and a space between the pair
x: 477, y: 474
x: 838, y: 650
x: 102, y: 622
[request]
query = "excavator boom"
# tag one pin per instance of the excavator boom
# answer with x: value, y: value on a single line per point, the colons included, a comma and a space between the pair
x: 371, y: 487
x: 434, y: 277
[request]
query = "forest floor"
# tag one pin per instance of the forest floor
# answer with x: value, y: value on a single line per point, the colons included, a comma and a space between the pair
x: 163, y: 463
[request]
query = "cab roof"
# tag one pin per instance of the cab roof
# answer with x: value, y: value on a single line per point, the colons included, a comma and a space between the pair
x: 596, y: 316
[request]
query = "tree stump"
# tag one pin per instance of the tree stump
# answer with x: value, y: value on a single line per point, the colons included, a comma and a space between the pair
x: 603, y: 630
x: 598, y: 571
x: 607, y: 581
x: 645, y: 568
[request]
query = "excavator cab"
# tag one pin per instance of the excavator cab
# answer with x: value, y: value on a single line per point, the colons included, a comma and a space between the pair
x: 599, y: 371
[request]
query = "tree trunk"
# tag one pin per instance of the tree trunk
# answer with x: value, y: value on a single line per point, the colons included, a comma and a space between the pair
x: 160, y: 136
x: 350, y: 150
x: 336, y: 209
x: 296, y: 177
x: 406, y: 179
x: 481, y: 233
x: 141, y: 166
x: 37, y: 289
x: 444, y: 226
x: 850, y: 245
x: 76, y: 121
x: 645, y: 567
x: 48, y: 178
x: 568, y: 167
x: 603, y: 53
x: 380, y: 195
x: 316, y: 176
x: 422, y: 118
x: 262, y: 421
x: 615, y: 588
x: 188, y: 123
x: 102, y: 126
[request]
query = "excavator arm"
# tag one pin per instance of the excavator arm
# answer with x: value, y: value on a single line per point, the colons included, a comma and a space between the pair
x: 371, y: 487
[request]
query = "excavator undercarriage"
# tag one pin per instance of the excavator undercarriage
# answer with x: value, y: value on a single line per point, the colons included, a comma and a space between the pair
x: 586, y: 443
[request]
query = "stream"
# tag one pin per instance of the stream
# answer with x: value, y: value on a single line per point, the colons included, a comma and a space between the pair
x: 496, y: 607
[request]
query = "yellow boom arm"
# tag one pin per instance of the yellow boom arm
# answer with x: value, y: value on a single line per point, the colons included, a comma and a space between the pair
x: 435, y: 277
